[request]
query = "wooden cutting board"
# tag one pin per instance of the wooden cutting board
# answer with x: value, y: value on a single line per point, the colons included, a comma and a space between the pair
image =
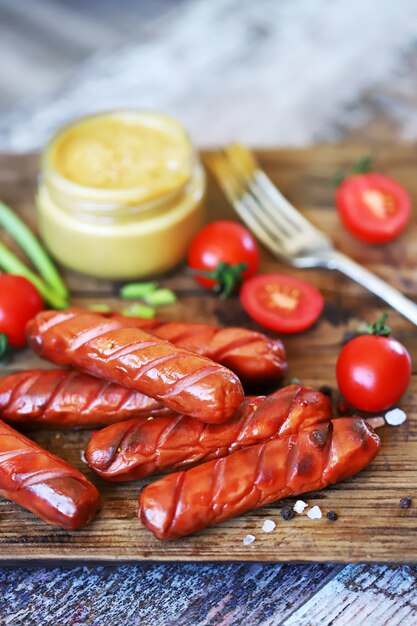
x: 371, y: 526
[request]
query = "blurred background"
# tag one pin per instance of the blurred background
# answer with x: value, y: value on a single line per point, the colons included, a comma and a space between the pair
x: 269, y: 72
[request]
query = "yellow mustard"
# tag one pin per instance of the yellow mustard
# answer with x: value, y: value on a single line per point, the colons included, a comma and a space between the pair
x: 120, y: 194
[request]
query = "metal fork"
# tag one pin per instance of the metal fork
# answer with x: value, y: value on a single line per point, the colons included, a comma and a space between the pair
x: 284, y: 231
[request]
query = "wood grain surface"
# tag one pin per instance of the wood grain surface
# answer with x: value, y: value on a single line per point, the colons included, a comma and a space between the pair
x: 371, y: 526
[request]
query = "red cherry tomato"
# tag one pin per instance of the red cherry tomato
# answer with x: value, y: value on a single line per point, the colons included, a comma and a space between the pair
x: 373, y: 207
x: 223, y: 242
x: 373, y: 372
x: 19, y: 302
x: 281, y: 303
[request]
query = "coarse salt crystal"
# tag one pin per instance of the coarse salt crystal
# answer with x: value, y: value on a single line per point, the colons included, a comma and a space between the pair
x: 395, y: 417
x: 299, y: 506
x: 268, y: 526
x: 248, y: 540
x: 82, y: 457
x: 314, y: 512
x: 376, y: 422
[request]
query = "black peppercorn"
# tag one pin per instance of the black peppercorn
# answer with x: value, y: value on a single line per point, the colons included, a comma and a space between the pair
x: 405, y: 503
x: 326, y: 390
x: 287, y: 513
x: 331, y: 516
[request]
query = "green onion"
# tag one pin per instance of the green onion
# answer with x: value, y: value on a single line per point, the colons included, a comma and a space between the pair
x: 24, y: 237
x: 137, y: 290
x: 99, y: 307
x: 139, y: 310
x: 161, y: 297
x: 13, y: 265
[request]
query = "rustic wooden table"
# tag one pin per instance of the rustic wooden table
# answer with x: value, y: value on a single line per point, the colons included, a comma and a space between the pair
x: 359, y: 84
x: 236, y: 593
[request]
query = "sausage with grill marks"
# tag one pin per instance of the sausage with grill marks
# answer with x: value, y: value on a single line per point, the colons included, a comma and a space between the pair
x: 254, y: 357
x: 187, y: 501
x: 44, y: 484
x: 142, y: 447
x: 185, y: 382
x: 67, y: 399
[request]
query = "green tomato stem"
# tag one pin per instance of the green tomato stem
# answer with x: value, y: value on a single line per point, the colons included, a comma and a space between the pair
x: 226, y: 276
x: 361, y: 166
x: 379, y: 328
x: 5, y: 350
x: 25, y: 238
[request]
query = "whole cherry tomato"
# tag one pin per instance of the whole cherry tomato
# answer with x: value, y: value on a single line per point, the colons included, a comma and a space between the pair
x: 19, y: 302
x: 281, y: 303
x: 373, y: 371
x: 373, y: 207
x: 223, y: 254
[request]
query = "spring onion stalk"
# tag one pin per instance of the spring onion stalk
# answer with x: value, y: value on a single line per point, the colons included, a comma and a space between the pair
x: 139, y: 310
x: 12, y: 264
x: 161, y: 297
x: 137, y: 290
x: 24, y: 237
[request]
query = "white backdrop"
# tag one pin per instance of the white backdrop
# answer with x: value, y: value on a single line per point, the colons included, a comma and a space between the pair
x: 265, y: 71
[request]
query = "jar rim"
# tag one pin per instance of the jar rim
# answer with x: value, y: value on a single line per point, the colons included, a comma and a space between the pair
x: 118, y: 196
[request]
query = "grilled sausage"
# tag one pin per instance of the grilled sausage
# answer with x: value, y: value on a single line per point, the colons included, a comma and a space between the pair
x: 141, y: 447
x: 68, y: 399
x: 44, y: 484
x: 187, y: 501
x: 185, y: 382
x: 254, y: 357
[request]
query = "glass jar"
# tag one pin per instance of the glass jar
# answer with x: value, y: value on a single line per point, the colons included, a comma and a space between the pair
x: 120, y: 194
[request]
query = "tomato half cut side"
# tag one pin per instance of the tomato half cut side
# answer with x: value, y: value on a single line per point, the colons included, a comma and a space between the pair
x: 281, y: 303
x: 373, y: 207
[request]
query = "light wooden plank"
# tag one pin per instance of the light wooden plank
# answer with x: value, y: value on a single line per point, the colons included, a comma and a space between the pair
x: 380, y: 595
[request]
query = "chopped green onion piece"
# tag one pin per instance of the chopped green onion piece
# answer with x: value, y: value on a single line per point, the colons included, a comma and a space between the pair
x: 139, y: 310
x: 25, y: 238
x: 99, y: 307
x: 5, y: 350
x: 12, y: 264
x: 137, y: 290
x: 160, y: 297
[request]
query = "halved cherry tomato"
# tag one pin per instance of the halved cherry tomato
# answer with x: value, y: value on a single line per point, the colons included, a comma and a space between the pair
x: 373, y: 207
x: 19, y: 302
x: 226, y: 244
x: 373, y: 372
x: 281, y: 303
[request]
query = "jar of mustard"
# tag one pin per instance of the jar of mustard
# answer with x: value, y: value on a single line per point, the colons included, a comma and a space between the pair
x: 120, y: 194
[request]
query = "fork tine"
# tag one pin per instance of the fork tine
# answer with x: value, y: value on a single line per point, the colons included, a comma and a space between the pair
x: 245, y: 205
x: 243, y: 165
x: 270, y: 198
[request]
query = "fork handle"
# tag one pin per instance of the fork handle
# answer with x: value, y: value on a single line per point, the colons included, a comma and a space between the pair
x: 404, y: 306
